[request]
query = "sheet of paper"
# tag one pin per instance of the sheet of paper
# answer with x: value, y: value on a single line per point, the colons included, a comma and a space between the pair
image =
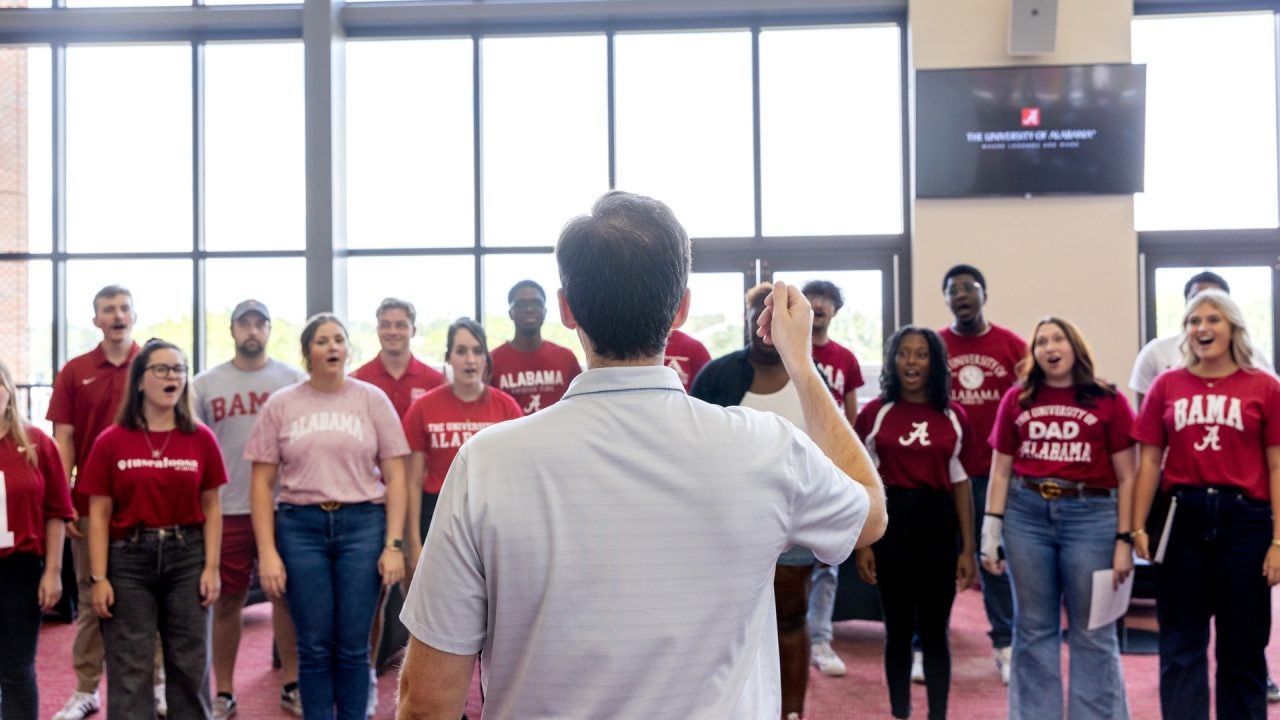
x: 1108, y: 605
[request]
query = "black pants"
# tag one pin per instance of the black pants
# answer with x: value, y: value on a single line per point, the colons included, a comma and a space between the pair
x: 1213, y: 568
x: 916, y: 576
x: 19, y: 628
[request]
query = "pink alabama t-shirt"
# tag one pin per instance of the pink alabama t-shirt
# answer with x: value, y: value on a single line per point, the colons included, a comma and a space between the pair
x: 328, y: 444
x: 1058, y: 437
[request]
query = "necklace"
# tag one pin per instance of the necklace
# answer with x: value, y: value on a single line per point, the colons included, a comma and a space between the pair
x: 155, y: 454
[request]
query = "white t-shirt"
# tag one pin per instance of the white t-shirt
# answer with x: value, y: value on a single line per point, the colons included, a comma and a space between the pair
x: 1164, y: 354
x: 783, y: 403
x: 613, y: 555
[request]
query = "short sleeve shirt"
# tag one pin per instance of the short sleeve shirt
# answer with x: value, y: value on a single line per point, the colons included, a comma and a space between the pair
x: 1215, y: 430
x: 439, y: 423
x: 982, y: 368
x: 914, y: 445
x: 33, y: 493
x: 154, y: 479
x: 686, y: 356
x: 327, y: 444
x: 1059, y: 437
x: 535, y: 379
x: 417, y: 379
x: 840, y: 369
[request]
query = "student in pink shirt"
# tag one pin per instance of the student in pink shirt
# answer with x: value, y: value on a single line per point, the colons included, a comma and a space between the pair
x: 335, y: 445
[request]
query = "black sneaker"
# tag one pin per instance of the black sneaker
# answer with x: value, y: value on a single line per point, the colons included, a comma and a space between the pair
x: 1273, y: 692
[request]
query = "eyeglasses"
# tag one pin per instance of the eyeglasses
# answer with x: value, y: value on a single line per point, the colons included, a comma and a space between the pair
x: 966, y: 287
x: 164, y: 371
x: 528, y: 305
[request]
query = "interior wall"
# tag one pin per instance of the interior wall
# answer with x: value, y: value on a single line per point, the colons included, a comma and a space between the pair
x: 1074, y: 257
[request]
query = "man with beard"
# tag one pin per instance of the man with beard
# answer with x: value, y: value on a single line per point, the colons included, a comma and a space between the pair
x: 534, y: 371
x: 228, y: 398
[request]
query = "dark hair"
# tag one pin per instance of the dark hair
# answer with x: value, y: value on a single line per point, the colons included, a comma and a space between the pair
x: 624, y: 270
x: 824, y: 288
x: 756, y: 295
x: 130, y: 415
x: 511, y: 294
x: 394, y: 303
x: 963, y: 269
x: 309, y: 333
x: 1207, y: 276
x: 937, y: 385
x: 1088, y: 387
x: 110, y: 291
x: 473, y: 327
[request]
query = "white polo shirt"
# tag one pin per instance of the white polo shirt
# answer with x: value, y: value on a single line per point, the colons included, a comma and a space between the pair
x: 612, y: 555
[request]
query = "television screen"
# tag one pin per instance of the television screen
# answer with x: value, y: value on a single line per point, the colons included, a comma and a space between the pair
x: 1030, y: 130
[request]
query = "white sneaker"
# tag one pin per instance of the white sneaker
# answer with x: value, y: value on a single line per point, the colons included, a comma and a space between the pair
x: 917, y: 667
x: 162, y: 705
x: 793, y: 716
x: 372, y: 708
x: 224, y: 706
x: 79, y: 705
x: 826, y: 660
x: 1004, y: 662
x: 291, y: 700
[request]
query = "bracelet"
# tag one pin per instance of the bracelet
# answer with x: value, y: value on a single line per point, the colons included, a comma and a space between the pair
x: 1275, y: 542
x: 1139, y: 531
x: 396, y: 544
x: 95, y: 579
x: 998, y: 516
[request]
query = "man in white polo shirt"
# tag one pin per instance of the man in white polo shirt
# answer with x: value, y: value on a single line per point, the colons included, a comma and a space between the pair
x: 613, y: 555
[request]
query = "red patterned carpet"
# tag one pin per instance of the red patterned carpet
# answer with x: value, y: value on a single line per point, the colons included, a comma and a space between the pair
x: 976, y: 694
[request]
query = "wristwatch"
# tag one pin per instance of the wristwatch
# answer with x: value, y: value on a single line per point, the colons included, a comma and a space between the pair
x: 1125, y: 536
x: 396, y: 544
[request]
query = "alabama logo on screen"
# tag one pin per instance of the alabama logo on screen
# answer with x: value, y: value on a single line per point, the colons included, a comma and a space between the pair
x: 1030, y: 117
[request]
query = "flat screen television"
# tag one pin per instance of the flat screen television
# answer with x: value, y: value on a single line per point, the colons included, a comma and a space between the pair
x: 1030, y: 130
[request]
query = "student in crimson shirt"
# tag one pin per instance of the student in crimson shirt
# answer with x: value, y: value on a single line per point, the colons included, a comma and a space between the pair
x: 686, y: 356
x: 395, y: 371
x: 534, y: 371
x: 982, y: 358
x: 1062, y: 490
x: 1215, y: 424
x: 33, y: 509
x: 440, y: 422
x: 917, y: 437
x: 155, y: 534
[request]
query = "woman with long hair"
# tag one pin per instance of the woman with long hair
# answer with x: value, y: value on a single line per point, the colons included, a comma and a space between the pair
x: 1209, y: 435
x: 155, y: 535
x: 438, y: 423
x: 337, y: 449
x: 1062, y: 471
x: 917, y: 438
x: 35, y: 504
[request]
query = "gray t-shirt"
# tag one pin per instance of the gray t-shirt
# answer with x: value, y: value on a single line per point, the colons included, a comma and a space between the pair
x: 228, y: 400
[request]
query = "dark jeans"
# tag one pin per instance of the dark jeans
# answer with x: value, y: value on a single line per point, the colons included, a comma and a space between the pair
x: 155, y: 574
x: 429, y: 501
x: 331, y: 558
x: 997, y: 593
x: 916, y: 577
x: 1213, y: 568
x: 19, y: 627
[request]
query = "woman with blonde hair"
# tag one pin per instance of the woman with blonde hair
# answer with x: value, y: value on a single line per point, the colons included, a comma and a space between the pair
x: 35, y: 503
x: 1209, y: 435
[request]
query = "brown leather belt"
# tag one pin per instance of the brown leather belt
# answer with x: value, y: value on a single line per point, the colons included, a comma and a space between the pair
x: 331, y: 505
x: 1052, y: 489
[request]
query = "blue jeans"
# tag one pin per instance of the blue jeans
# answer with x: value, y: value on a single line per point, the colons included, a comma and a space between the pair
x: 155, y: 574
x: 997, y: 596
x: 1053, y: 548
x: 822, y: 601
x: 1213, y: 568
x: 332, y: 586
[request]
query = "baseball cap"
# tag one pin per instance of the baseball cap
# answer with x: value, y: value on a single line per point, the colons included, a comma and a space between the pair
x: 249, y: 306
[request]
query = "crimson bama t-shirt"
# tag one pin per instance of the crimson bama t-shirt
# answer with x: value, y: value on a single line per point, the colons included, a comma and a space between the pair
x: 535, y: 379
x: 915, y: 446
x: 839, y: 368
x: 33, y: 494
x: 1058, y: 437
x: 1216, y: 430
x: 982, y: 368
x: 439, y: 423
x: 154, y: 479
x: 686, y: 356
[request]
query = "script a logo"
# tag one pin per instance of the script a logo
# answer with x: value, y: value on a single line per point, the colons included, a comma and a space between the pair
x: 1031, y: 117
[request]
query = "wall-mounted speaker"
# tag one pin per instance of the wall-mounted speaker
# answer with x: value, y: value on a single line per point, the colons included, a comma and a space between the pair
x: 1033, y: 27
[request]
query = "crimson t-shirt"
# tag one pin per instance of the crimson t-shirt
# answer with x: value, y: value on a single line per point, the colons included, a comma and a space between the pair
x: 150, y: 486
x: 840, y: 369
x: 1058, y: 437
x: 1216, y: 429
x: 686, y: 356
x: 417, y: 379
x: 915, y: 446
x: 535, y: 379
x: 86, y: 395
x: 439, y: 422
x: 33, y: 494
x: 982, y: 369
